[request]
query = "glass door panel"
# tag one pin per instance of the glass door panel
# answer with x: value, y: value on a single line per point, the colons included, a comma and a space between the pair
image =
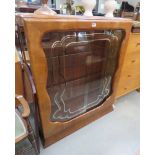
x: 81, y: 66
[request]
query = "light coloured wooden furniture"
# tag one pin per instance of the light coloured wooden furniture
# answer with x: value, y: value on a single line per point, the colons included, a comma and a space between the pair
x: 130, y: 75
x: 51, y: 63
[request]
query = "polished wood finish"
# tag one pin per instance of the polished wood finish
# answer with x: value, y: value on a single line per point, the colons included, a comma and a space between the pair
x: 130, y: 75
x: 35, y: 27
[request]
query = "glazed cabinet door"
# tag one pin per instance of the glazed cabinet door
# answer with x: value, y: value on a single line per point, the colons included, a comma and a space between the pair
x: 75, y: 63
x: 81, y: 66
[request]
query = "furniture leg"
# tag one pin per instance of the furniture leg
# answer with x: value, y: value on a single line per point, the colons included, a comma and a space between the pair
x: 31, y: 137
x: 36, y: 119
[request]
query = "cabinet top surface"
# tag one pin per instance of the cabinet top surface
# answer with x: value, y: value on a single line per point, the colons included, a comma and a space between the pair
x: 30, y: 17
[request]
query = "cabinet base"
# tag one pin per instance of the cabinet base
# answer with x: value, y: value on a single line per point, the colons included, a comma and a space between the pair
x: 54, y: 138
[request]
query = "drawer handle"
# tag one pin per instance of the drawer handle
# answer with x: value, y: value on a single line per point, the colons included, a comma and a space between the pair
x: 133, y: 61
x: 138, y: 44
x: 129, y: 75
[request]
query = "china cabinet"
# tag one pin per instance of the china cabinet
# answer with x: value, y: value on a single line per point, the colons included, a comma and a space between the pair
x: 76, y: 64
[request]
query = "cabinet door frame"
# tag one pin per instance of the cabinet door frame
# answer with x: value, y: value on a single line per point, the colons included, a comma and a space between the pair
x: 35, y: 28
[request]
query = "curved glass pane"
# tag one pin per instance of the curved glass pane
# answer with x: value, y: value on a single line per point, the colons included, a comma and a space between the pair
x: 81, y: 66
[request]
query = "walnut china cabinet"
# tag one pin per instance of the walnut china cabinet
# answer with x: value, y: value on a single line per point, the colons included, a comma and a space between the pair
x: 75, y: 63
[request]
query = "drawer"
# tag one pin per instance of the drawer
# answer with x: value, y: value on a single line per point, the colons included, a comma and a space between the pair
x: 134, y: 37
x: 130, y: 72
x: 131, y: 59
x: 128, y: 85
x: 134, y: 43
x: 130, y: 75
x: 131, y: 67
x: 129, y: 81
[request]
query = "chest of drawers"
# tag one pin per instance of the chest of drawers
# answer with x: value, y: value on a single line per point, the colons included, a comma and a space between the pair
x: 130, y: 75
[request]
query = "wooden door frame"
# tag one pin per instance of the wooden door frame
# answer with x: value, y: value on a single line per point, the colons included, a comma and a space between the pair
x: 35, y: 28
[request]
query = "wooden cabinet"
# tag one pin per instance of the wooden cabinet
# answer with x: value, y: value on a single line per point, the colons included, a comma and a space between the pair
x: 130, y: 75
x: 74, y: 62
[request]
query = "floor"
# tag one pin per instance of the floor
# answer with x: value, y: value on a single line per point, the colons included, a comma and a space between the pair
x: 116, y: 133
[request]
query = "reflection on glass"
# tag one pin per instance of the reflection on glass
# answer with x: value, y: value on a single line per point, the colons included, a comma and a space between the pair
x: 81, y: 66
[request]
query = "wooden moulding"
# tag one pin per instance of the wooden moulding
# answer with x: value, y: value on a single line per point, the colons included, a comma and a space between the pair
x: 35, y: 28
